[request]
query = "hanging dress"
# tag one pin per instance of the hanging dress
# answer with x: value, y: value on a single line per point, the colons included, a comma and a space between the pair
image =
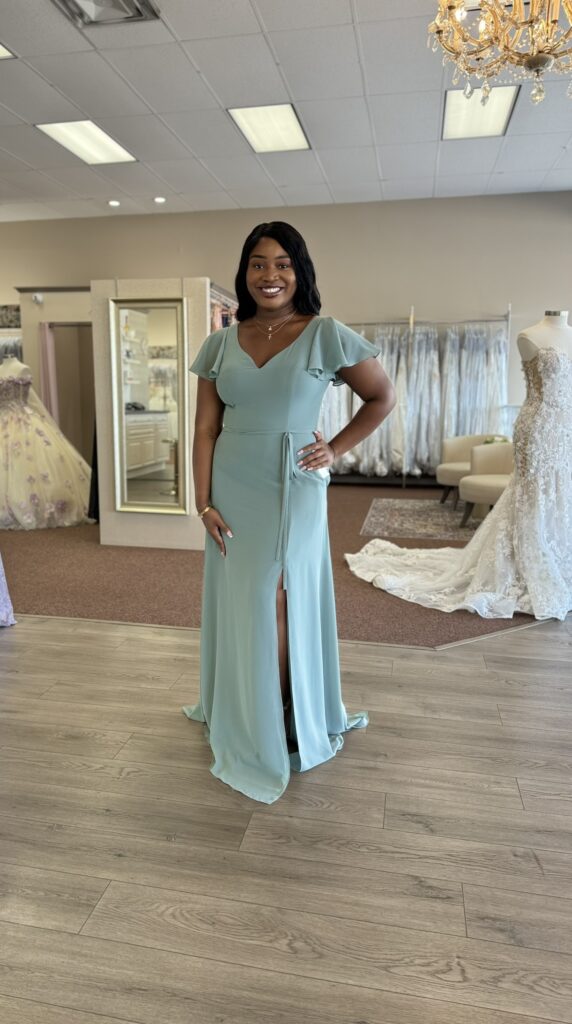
x: 277, y: 513
x: 520, y: 558
x: 44, y: 481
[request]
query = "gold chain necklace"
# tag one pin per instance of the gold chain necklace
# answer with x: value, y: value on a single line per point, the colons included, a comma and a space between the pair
x: 273, y: 329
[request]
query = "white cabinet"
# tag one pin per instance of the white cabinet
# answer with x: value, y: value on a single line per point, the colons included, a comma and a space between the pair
x: 146, y: 435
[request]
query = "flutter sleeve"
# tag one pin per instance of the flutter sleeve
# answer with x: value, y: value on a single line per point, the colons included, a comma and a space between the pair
x: 209, y: 357
x: 334, y: 345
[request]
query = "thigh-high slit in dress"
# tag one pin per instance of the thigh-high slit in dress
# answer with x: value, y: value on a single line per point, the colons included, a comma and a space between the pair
x: 277, y: 513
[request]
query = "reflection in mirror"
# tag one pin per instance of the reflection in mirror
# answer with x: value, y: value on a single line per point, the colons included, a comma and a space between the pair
x: 150, y: 406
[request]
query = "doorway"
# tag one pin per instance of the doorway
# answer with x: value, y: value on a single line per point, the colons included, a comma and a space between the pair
x: 73, y: 345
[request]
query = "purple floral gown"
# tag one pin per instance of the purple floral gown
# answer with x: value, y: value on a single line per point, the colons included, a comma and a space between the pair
x: 44, y: 481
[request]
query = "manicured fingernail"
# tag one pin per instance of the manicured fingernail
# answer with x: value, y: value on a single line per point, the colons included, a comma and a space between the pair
x: 229, y: 534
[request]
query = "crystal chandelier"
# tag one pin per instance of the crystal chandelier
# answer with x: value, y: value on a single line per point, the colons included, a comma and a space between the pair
x: 516, y: 40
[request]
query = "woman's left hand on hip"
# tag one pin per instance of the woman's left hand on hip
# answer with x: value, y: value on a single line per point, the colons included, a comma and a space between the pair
x: 318, y: 453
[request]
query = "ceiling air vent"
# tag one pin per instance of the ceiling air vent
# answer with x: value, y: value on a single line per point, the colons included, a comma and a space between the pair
x: 107, y: 12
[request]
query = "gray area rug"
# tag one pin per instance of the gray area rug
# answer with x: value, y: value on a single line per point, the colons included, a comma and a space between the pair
x: 416, y: 518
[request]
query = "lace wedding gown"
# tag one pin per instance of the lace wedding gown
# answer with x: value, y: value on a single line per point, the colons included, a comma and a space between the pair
x: 44, y: 481
x: 520, y: 558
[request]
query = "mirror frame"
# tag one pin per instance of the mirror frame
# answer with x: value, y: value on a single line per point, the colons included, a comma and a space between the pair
x: 122, y: 503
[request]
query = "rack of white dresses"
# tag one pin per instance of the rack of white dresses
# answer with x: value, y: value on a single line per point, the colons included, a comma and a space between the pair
x: 378, y: 456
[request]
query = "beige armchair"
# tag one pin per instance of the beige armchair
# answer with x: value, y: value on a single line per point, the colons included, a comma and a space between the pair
x: 456, y: 463
x: 491, y: 467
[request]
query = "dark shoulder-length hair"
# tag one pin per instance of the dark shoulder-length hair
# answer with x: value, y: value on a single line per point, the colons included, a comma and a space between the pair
x: 307, y: 297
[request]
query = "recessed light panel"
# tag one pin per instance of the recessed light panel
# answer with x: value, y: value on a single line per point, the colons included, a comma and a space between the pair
x: 87, y: 141
x: 272, y: 129
x: 469, y: 119
x: 4, y: 53
x: 106, y: 12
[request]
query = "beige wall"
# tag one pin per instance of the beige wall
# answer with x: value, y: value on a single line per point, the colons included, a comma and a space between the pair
x: 452, y: 258
x: 56, y: 307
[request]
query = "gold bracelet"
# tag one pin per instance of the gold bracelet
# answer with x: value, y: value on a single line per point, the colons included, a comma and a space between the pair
x: 206, y: 508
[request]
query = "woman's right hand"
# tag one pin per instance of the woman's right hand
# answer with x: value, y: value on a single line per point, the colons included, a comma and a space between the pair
x: 216, y: 526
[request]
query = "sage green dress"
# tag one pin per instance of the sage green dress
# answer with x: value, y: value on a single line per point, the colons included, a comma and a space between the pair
x: 278, y: 515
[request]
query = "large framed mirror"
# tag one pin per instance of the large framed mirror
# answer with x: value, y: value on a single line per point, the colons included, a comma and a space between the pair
x: 150, y: 403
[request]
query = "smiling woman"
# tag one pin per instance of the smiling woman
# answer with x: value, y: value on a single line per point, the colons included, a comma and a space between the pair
x: 270, y: 680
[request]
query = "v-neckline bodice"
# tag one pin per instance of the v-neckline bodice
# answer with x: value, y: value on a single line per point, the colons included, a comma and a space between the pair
x: 276, y: 354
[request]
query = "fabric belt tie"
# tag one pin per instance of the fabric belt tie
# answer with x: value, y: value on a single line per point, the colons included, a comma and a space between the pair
x: 288, y: 464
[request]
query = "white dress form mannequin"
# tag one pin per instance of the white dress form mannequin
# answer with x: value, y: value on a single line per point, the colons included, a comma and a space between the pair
x: 553, y: 331
x: 12, y: 367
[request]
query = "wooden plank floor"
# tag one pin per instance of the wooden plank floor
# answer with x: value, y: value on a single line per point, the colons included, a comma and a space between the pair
x: 423, y: 876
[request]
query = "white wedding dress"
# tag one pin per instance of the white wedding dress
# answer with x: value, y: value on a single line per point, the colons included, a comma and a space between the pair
x: 520, y: 558
x: 6, y: 611
x: 44, y: 481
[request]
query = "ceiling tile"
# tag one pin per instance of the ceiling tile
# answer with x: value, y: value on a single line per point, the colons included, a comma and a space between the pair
x: 8, y: 117
x: 558, y: 180
x: 9, y: 190
x: 464, y: 156
x: 82, y: 180
x: 25, y: 211
x: 529, y: 153
x: 71, y: 208
x: 208, y: 19
x: 407, y: 117
x: 408, y: 188
x: 380, y: 10
x: 9, y: 163
x: 184, y: 176
x: 252, y: 198
x: 319, y: 63
x: 364, y: 193
x: 38, y: 27
x: 174, y: 204
x: 27, y: 143
x: 333, y: 125
x: 297, y: 168
x: 208, y: 133
x: 515, y: 181
x: 554, y: 114
x: 306, y: 195
x: 133, y: 179
x: 349, y: 166
x: 94, y: 85
x: 128, y: 206
x: 34, y: 185
x: 462, y: 185
x: 240, y: 172
x: 123, y: 37
x: 164, y: 77
x: 397, y: 59
x: 241, y: 70
x: 211, y: 201
x: 565, y: 158
x: 145, y: 137
x: 277, y: 15
x: 30, y: 97
x: 410, y: 161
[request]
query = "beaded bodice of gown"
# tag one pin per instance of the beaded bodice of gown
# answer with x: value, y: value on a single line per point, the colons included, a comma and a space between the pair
x: 520, y: 558
x: 546, y: 413
x: 14, y: 391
